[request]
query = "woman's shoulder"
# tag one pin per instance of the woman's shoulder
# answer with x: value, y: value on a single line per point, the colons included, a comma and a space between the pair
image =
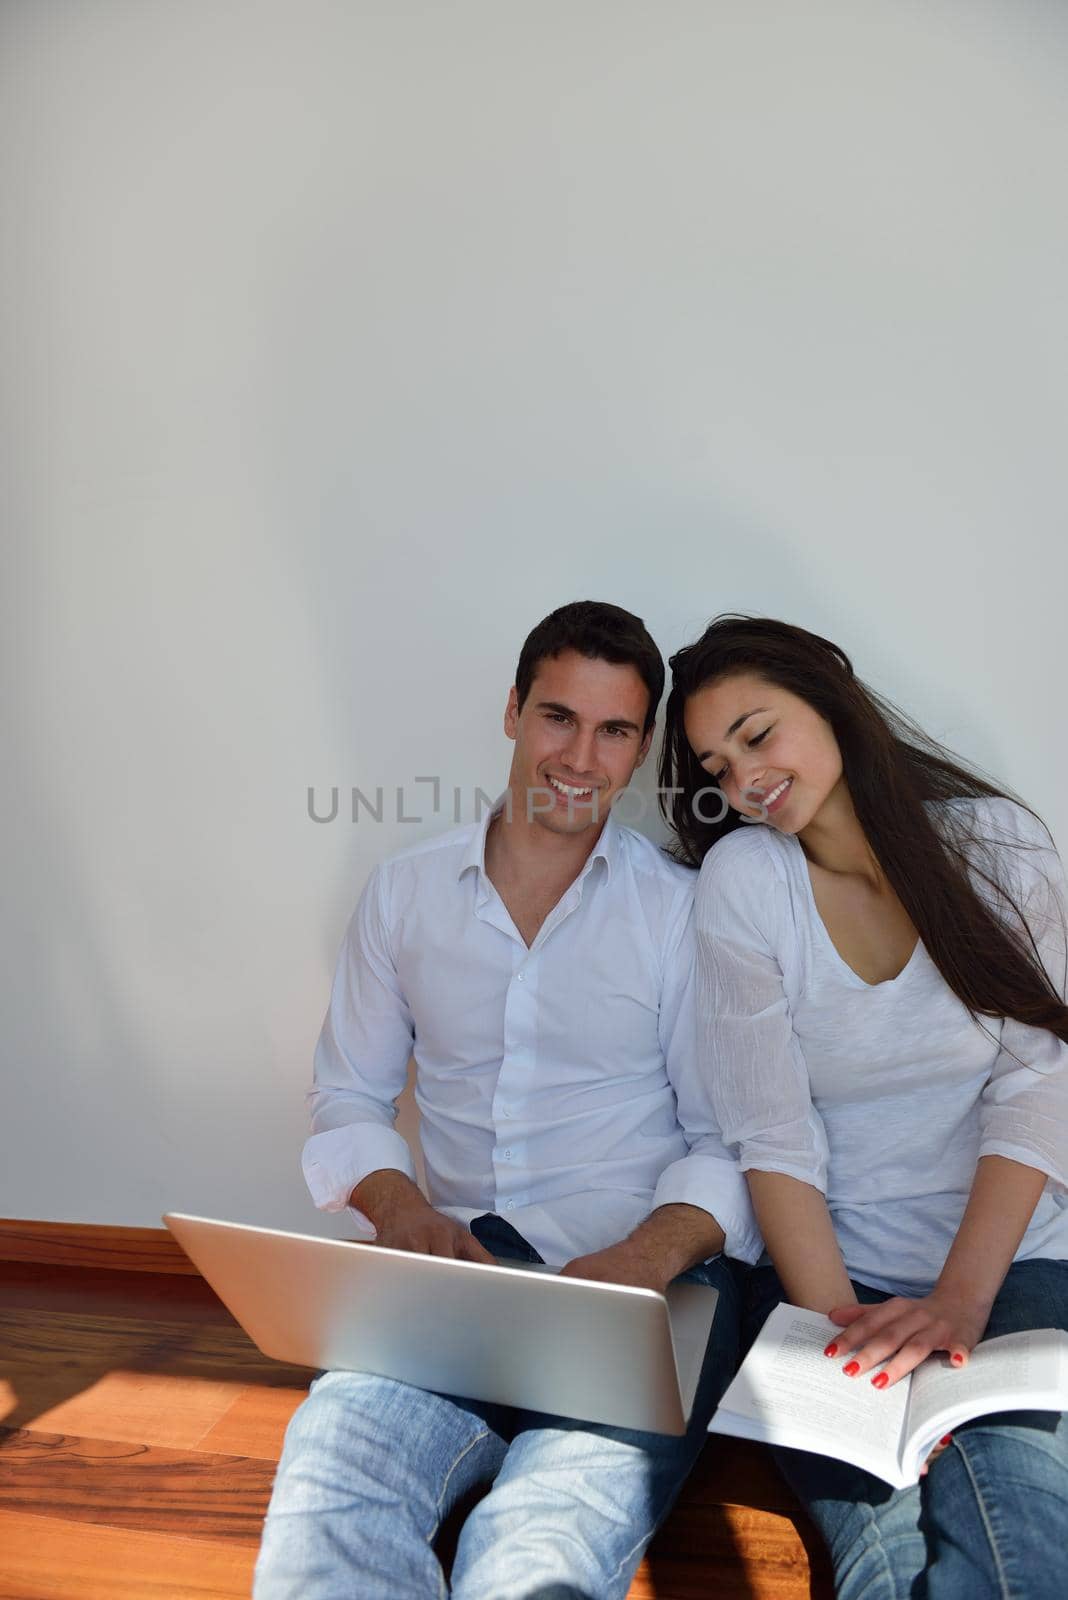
x: 741, y: 873
x: 992, y: 819
x: 999, y: 835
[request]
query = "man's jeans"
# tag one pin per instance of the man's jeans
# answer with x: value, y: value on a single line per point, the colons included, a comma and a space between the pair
x: 991, y: 1516
x: 371, y: 1468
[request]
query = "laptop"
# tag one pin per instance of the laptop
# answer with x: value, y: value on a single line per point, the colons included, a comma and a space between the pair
x: 597, y: 1352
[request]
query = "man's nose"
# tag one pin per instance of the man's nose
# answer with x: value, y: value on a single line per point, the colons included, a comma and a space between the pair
x: 579, y: 754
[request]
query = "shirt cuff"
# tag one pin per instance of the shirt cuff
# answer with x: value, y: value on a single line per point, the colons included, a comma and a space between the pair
x: 755, y: 1161
x: 715, y: 1185
x: 1027, y: 1157
x: 335, y: 1161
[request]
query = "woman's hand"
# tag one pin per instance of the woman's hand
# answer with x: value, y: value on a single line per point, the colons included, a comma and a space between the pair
x: 902, y: 1333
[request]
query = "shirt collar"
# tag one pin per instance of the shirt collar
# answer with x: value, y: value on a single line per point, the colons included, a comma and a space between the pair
x: 606, y: 849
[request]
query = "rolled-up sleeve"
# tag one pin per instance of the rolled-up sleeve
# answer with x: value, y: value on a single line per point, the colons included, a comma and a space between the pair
x: 361, y: 1062
x: 757, y: 1077
x: 708, y: 1176
x: 1024, y: 1109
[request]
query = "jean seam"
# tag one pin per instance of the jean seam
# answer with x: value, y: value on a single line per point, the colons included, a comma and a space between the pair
x: 880, y: 1546
x: 464, y: 1453
x: 1003, y: 1582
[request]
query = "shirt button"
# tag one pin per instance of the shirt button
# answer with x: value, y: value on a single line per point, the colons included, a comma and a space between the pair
x: 509, y: 1205
x: 519, y: 977
x: 506, y: 1155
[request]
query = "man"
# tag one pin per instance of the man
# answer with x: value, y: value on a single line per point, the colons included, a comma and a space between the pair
x: 540, y: 964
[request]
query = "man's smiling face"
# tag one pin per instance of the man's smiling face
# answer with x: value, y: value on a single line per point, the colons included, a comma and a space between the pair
x: 578, y: 739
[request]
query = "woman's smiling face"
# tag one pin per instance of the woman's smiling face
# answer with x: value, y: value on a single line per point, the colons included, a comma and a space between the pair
x: 773, y: 756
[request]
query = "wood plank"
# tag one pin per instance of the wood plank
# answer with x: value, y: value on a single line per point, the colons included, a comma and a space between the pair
x: 111, y: 1483
x: 174, y: 1295
x: 41, y: 1559
x: 732, y: 1551
x: 114, y: 1484
x: 88, y: 1244
x: 139, y: 1406
x: 255, y: 1423
x: 156, y: 1381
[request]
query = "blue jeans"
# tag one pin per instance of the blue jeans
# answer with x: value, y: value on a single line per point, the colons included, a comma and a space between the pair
x: 371, y: 1468
x: 991, y: 1516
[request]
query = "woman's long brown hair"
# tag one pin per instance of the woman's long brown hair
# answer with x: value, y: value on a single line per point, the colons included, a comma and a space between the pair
x: 891, y: 768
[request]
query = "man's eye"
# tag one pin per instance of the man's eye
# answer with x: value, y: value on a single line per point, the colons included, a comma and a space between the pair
x: 558, y: 716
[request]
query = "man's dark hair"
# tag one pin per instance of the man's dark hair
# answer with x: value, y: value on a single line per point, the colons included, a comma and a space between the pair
x: 601, y: 632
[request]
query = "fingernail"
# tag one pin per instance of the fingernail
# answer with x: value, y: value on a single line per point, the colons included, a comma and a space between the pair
x: 947, y: 1440
x: 923, y: 1470
x: 957, y: 1359
x: 852, y: 1369
x: 880, y: 1380
x: 831, y: 1350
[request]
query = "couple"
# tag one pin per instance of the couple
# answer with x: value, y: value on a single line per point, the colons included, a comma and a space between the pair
x: 838, y: 1052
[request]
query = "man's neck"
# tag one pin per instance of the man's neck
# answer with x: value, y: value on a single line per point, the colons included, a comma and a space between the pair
x: 522, y: 851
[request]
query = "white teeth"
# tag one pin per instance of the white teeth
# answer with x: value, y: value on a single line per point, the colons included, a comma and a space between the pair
x: 775, y: 793
x: 573, y: 794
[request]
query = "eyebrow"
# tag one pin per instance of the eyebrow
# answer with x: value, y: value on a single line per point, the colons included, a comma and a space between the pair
x: 735, y: 725
x: 609, y: 722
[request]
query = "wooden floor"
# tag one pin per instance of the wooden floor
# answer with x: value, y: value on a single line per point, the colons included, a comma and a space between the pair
x: 140, y: 1430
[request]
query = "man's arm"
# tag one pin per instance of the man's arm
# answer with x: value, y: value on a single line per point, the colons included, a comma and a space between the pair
x: 361, y: 1062
x: 709, y: 1176
x: 405, y: 1220
x: 672, y: 1239
x: 355, y: 1157
x: 701, y: 1204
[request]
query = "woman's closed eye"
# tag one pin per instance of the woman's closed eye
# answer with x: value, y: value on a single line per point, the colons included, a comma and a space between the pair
x: 758, y: 738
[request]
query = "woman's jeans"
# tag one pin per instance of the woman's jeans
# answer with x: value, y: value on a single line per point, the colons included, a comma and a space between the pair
x: 990, y: 1518
x: 371, y: 1468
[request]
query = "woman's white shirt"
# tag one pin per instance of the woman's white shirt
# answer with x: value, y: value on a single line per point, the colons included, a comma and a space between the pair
x: 883, y: 1096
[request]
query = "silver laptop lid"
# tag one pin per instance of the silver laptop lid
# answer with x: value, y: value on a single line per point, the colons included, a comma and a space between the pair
x: 595, y: 1351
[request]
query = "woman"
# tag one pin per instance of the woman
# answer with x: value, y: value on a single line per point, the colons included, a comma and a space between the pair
x: 882, y: 956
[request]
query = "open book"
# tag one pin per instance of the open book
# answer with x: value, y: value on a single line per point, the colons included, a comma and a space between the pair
x: 788, y: 1392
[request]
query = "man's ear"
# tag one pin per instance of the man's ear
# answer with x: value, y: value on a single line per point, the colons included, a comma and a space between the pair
x: 511, y: 714
x: 646, y: 745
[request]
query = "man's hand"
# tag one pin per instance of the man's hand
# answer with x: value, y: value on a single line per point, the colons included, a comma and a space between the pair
x: 902, y: 1333
x: 405, y: 1220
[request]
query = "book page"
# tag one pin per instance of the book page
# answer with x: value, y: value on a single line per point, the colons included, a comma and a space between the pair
x: 1013, y: 1372
x: 800, y: 1397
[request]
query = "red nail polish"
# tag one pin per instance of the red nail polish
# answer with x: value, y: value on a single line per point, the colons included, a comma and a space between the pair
x: 957, y: 1360
x: 852, y: 1369
x: 947, y: 1440
x: 880, y: 1380
x: 831, y: 1350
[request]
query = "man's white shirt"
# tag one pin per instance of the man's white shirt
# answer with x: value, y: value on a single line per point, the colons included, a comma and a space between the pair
x: 562, y: 1086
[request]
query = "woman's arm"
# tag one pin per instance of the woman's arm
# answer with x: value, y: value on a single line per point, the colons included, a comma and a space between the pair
x: 756, y: 1076
x: 952, y: 1317
x: 799, y: 1234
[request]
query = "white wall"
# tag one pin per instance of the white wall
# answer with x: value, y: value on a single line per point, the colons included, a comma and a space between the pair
x: 344, y: 340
